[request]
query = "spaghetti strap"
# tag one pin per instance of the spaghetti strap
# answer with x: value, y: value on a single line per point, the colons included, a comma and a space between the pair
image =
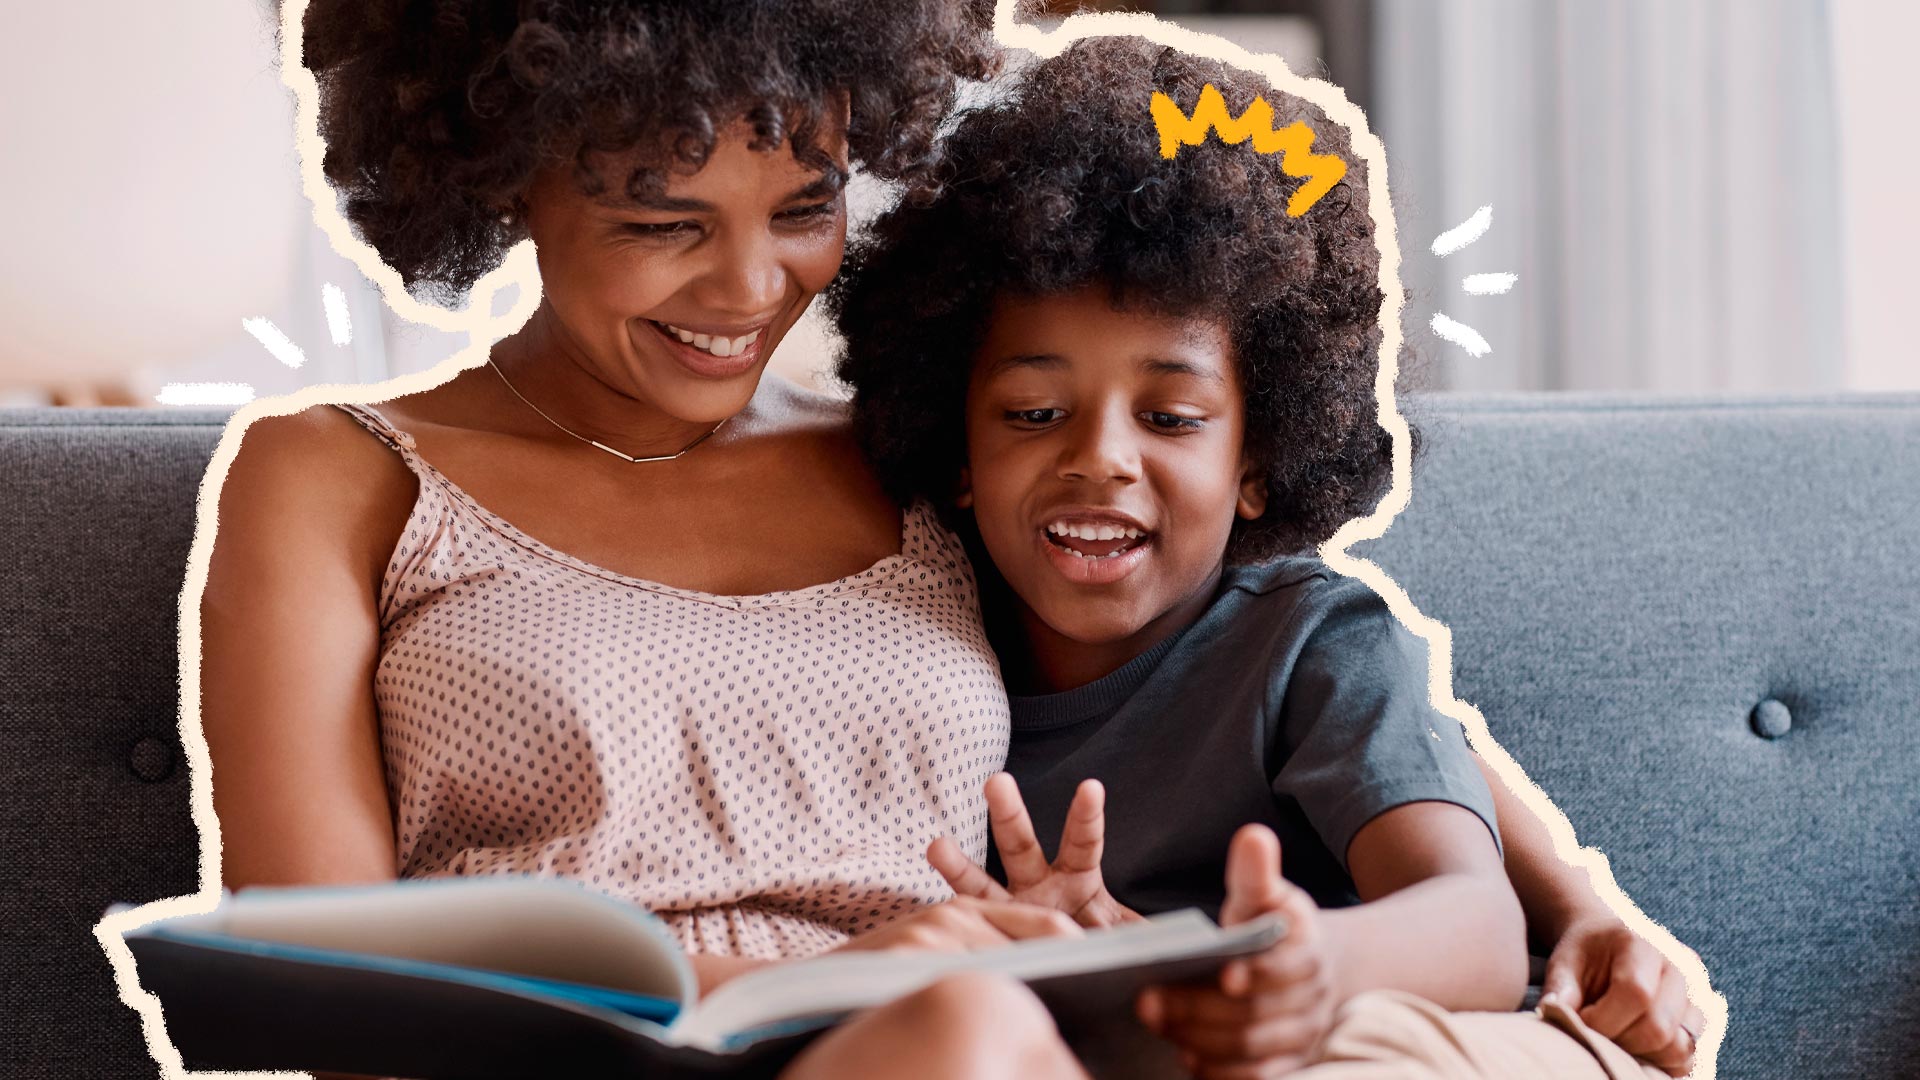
x: 383, y: 429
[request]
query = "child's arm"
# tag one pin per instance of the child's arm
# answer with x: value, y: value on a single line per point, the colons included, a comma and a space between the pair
x: 1618, y: 983
x: 1438, y: 917
x: 1440, y: 921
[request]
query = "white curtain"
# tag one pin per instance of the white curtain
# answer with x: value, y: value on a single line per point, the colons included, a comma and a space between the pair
x: 1663, y: 178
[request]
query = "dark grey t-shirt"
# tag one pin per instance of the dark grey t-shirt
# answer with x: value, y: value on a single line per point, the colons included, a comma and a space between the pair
x: 1296, y: 700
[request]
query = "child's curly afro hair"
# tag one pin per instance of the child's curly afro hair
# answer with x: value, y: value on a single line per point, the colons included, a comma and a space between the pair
x: 1059, y: 185
x: 437, y: 112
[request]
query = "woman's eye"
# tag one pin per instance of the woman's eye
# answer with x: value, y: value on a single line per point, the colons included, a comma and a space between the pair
x: 810, y: 211
x: 1034, y: 416
x: 660, y: 229
x: 1173, y: 421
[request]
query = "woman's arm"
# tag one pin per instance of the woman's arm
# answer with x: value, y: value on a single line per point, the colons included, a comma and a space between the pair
x: 1619, y: 983
x: 1553, y: 894
x: 290, y: 632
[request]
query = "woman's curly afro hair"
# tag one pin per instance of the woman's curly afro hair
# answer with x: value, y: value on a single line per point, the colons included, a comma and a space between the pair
x: 436, y: 113
x: 1060, y: 185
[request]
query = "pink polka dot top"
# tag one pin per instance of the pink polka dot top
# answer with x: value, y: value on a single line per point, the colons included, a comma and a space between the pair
x: 764, y: 773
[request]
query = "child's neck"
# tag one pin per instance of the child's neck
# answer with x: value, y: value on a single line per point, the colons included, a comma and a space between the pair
x: 1037, y: 659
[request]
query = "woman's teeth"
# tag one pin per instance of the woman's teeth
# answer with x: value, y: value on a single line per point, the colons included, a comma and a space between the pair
x: 718, y: 346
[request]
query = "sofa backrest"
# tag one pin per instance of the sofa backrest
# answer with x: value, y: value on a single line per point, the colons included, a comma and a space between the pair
x: 1696, y: 624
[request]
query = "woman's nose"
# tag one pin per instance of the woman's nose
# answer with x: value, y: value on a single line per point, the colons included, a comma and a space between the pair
x: 746, y: 277
x: 1100, y: 447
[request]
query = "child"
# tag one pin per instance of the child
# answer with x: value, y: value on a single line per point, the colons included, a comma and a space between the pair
x: 1145, y: 390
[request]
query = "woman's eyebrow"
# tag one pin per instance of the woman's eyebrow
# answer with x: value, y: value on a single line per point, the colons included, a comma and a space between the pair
x: 667, y: 204
x: 827, y: 184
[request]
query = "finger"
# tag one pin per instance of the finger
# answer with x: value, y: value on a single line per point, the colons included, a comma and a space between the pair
x: 1692, y: 1023
x: 1024, y: 921
x: 1562, y: 981
x: 1085, y: 836
x: 1254, y: 884
x: 1656, y: 1037
x: 952, y: 927
x: 1285, y: 965
x: 963, y: 874
x: 1020, y: 854
x: 1632, y: 984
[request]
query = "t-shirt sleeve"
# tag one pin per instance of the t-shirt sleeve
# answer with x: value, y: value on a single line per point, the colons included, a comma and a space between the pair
x: 1357, y: 734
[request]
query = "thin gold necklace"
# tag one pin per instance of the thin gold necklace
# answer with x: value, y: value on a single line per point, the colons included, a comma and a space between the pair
x: 595, y: 443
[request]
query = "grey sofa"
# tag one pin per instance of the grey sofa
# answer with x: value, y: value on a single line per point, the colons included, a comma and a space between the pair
x: 1696, y: 624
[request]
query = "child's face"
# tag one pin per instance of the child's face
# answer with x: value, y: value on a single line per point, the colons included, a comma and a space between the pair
x: 1105, y: 462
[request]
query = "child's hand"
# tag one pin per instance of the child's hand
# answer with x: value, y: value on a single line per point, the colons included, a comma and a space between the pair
x: 963, y: 925
x: 1626, y: 990
x: 1071, y: 884
x: 1269, y: 1010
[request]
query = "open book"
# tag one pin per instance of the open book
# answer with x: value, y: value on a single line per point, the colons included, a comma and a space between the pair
x: 522, y: 976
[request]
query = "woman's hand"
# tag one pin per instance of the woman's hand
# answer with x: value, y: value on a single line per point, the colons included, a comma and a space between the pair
x: 1268, y: 1010
x: 964, y: 924
x: 1071, y: 884
x: 1626, y: 990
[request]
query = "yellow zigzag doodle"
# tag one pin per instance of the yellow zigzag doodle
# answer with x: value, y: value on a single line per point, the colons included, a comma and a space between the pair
x: 1295, y: 142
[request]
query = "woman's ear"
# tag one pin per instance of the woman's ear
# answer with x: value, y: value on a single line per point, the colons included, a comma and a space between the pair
x: 1253, y: 491
x: 963, y: 495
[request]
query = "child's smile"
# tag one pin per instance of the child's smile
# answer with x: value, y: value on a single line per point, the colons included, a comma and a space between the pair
x: 1095, y: 546
x: 1106, y: 469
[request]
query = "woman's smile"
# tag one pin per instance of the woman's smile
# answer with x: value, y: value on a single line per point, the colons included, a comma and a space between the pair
x: 704, y: 355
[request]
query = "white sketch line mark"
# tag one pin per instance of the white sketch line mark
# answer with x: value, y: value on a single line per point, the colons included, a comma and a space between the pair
x: 339, y: 324
x: 1464, y: 233
x: 277, y: 343
x: 1488, y: 284
x: 1460, y: 334
x: 205, y: 393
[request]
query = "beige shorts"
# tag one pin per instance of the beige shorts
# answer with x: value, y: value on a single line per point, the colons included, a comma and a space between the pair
x: 1386, y: 1034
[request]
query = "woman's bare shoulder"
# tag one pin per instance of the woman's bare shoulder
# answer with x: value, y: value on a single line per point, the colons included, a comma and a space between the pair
x: 315, y: 478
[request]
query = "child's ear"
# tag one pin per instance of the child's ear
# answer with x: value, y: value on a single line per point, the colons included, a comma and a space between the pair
x: 1253, y: 492
x: 963, y: 496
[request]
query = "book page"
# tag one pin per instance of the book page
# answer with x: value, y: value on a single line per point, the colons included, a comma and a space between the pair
x: 522, y: 926
x: 839, y: 983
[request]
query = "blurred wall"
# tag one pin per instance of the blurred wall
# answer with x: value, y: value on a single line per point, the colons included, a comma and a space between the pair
x: 1873, y: 44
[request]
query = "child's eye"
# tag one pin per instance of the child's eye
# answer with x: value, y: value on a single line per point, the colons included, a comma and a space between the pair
x: 1034, y: 417
x: 1172, y: 421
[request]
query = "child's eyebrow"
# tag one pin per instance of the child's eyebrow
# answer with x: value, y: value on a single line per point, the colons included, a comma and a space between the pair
x: 1158, y: 366
x: 1041, y: 361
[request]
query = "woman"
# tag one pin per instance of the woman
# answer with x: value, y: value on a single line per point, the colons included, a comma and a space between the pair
x: 612, y: 606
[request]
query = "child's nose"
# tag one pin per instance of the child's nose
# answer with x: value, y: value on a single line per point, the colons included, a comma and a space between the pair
x: 1100, y: 447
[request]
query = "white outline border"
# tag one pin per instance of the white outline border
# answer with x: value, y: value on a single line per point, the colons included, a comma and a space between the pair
x: 483, y: 328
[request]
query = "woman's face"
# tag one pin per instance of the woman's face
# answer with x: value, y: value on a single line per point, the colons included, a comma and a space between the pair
x: 678, y: 299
